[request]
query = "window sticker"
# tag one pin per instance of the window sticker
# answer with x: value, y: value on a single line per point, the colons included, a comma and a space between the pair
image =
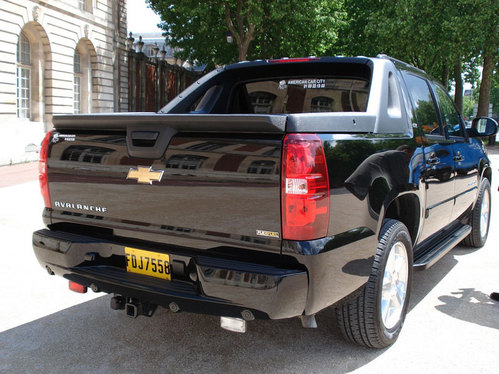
x: 283, y: 85
x: 308, y: 83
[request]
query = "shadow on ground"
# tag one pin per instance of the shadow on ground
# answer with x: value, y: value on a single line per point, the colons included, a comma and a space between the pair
x: 424, y: 281
x: 91, y: 337
x: 469, y: 304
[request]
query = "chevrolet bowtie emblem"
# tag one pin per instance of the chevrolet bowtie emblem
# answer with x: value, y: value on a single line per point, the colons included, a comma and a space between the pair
x: 145, y: 174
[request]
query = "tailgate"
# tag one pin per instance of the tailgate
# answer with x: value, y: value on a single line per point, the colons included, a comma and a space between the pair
x: 156, y: 176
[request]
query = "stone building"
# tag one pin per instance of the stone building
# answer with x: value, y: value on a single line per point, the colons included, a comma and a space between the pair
x: 57, y: 57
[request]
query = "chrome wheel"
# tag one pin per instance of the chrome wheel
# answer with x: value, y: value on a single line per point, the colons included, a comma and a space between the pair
x: 479, y: 218
x: 394, y: 290
x: 485, y: 214
x: 375, y: 316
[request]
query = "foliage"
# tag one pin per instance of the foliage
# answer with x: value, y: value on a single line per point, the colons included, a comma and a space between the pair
x: 261, y: 29
x: 494, y: 99
x: 442, y: 37
x: 353, y: 38
x: 468, y: 104
x: 494, y: 93
x: 470, y: 101
x: 438, y: 36
x: 413, y: 30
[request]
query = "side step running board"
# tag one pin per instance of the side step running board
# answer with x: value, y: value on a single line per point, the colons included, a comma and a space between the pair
x: 429, y: 256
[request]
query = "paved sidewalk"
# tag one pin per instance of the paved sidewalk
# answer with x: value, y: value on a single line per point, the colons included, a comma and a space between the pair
x: 452, y: 326
x: 16, y: 174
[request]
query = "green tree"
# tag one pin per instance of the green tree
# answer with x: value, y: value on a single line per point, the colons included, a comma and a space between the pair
x: 494, y: 98
x: 494, y: 93
x: 486, y: 43
x: 353, y: 36
x: 442, y: 37
x: 261, y: 29
x: 425, y: 33
x: 468, y: 106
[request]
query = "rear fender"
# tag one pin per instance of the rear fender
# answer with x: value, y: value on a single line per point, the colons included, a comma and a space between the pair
x: 406, y: 208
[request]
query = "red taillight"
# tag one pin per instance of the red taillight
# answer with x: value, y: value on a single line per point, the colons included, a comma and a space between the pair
x: 304, y: 188
x: 76, y: 287
x: 42, y: 170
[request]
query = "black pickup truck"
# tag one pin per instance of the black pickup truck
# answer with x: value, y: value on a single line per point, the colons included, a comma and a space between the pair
x: 269, y: 189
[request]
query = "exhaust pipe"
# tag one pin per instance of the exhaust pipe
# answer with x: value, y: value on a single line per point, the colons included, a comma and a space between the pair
x: 308, y: 322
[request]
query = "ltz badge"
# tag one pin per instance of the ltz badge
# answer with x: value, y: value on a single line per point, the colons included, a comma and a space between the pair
x: 268, y: 234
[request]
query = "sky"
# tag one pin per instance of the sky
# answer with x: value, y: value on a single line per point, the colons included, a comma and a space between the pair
x: 140, y: 18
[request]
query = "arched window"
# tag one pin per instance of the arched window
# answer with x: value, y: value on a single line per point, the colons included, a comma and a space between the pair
x: 23, y: 73
x: 33, y: 73
x: 77, y: 83
x: 262, y: 102
x: 262, y: 167
x: 82, y: 81
x: 321, y: 104
x: 188, y: 162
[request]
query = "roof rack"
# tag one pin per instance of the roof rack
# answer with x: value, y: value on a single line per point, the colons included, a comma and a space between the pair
x: 393, y: 59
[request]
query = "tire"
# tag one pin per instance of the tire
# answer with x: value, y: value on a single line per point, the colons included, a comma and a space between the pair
x: 480, y: 217
x: 374, y: 318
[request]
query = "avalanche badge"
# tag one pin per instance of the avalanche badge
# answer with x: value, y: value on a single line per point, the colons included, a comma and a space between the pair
x: 145, y: 174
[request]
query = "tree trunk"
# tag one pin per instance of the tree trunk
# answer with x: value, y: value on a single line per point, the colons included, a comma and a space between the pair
x: 485, y: 84
x: 242, y: 52
x: 458, y: 96
x: 445, y: 77
x: 243, y: 34
x: 243, y: 46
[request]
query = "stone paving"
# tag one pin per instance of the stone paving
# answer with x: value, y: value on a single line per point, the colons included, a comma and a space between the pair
x: 452, y: 325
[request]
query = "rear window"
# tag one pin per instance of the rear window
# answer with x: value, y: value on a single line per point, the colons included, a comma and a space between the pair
x: 301, y: 95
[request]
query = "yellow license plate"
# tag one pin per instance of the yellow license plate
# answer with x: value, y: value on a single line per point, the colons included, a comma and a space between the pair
x: 143, y: 262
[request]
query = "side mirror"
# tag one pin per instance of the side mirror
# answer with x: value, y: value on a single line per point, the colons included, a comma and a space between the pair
x: 482, y: 126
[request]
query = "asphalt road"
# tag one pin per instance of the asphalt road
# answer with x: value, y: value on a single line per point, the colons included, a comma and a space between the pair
x: 452, y: 325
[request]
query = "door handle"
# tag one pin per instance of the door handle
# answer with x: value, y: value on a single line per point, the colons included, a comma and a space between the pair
x: 433, y: 160
x: 458, y: 157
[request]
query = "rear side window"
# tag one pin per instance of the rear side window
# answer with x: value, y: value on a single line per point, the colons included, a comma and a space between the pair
x: 424, y: 106
x: 205, y: 101
x: 301, y: 95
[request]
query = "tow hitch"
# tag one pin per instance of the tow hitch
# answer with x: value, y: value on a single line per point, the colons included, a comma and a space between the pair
x: 133, y: 307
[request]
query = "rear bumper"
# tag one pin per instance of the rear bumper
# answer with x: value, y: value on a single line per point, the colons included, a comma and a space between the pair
x: 200, y: 284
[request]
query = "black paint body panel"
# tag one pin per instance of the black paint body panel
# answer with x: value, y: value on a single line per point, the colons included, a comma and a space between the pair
x: 217, y: 208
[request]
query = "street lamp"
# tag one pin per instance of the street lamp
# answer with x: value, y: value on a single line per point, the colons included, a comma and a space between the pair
x: 155, y: 49
x: 140, y: 44
x: 229, y: 37
x: 129, y: 41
